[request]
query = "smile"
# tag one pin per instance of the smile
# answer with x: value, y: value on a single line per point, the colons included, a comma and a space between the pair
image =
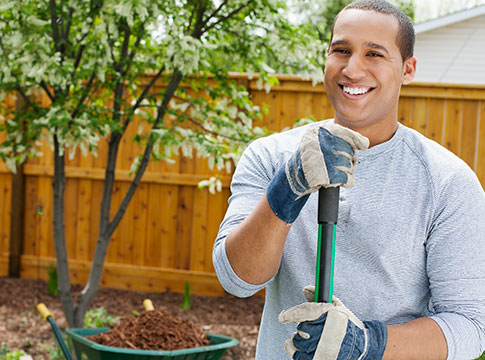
x: 356, y: 90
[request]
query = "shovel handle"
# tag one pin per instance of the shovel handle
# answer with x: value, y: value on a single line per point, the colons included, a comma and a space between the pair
x: 148, y: 305
x: 328, y: 199
x: 44, y: 311
x: 49, y: 317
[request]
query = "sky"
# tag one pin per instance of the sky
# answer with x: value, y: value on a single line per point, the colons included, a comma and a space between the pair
x: 430, y: 9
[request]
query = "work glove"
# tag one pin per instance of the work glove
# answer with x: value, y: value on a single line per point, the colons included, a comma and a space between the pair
x: 325, y: 158
x: 332, y: 332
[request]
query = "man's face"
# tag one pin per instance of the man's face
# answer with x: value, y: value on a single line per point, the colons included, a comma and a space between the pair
x: 364, y: 70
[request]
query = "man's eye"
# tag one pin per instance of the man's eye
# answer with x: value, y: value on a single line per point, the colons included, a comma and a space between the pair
x: 341, y: 51
x: 374, y: 54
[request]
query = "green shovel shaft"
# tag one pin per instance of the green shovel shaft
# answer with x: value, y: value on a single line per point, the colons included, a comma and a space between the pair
x: 325, y: 263
x: 328, y: 199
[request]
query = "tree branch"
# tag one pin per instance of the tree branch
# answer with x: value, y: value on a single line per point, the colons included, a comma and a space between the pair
x: 214, y: 13
x: 170, y: 91
x: 226, y: 17
x: 141, y: 31
x: 124, y: 48
x: 55, y: 30
x: 84, y: 95
x: 26, y: 97
x: 43, y: 85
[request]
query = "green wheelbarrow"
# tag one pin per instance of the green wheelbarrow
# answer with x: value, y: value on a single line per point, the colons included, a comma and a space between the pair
x: 86, y: 349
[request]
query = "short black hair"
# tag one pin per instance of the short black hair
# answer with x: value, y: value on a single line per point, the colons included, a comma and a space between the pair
x: 405, y: 37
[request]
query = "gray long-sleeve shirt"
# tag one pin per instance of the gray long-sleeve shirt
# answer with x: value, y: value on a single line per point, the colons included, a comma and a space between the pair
x: 410, y: 240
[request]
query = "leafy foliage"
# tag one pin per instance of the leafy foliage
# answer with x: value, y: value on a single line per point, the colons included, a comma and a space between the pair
x: 187, y: 300
x: 99, y: 50
x: 6, y: 354
x: 52, y: 281
x: 99, y: 318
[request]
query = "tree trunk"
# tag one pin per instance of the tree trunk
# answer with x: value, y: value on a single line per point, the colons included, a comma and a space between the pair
x: 59, y: 184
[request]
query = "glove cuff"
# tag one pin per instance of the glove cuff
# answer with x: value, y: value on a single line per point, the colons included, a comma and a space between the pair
x: 282, y: 200
x: 377, y: 340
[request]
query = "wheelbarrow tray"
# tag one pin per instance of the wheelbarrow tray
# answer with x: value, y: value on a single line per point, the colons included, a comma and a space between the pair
x: 89, y: 350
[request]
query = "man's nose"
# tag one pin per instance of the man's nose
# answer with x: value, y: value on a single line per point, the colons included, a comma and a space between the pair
x: 355, y: 67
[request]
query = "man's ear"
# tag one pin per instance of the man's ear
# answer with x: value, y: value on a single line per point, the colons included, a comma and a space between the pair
x: 409, y: 70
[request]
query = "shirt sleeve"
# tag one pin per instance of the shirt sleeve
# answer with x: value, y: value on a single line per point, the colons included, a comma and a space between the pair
x: 456, y: 264
x: 249, y: 182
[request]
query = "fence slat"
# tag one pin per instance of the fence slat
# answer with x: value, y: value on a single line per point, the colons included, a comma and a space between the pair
x: 481, y: 145
x: 139, y: 228
x: 469, y: 132
x: 420, y: 115
x: 436, y: 116
x: 453, y: 125
x: 5, y: 202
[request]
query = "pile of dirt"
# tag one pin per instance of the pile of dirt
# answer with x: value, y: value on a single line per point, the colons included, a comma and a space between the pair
x: 153, y: 330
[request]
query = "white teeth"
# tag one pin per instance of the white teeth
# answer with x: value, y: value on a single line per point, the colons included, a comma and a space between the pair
x: 356, y: 90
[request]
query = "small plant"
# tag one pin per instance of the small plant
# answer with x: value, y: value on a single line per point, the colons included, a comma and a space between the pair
x: 3, y: 351
x: 99, y: 318
x: 52, y: 283
x: 187, y: 301
x: 5, y: 354
x: 55, y: 352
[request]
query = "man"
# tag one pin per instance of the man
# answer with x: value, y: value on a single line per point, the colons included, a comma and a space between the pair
x: 410, y: 242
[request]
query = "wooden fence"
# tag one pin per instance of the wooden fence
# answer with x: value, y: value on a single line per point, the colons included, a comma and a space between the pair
x: 166, y: 236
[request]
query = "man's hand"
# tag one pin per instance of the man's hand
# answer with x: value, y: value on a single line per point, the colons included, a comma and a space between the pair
x: 325, y: 158
x: 332, y: 332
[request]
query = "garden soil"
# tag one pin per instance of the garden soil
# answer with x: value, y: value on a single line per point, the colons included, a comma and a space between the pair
x: 153, y: 330
x: 22, y: 327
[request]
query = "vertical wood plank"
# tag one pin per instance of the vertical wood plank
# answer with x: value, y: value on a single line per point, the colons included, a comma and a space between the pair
x: 72, y: 208
x: 321, y: 107
x: 45, y: 231
x: 155, y: 236
x: 83, y: 213
x: 453, y: 128
x: 5, y: 197
x: 113, y: 250
x: 139, y: 227
x: 469, y: 133
x: 436, y: 118
x: 95, y: 206
x: 288, y: 112
x: 198, y: 255
x: 420, y: 115
x: 481, y: 146
x: 31, y: 217
x: 184, y: 227
x: 405, y: 111
x: 125, y: 233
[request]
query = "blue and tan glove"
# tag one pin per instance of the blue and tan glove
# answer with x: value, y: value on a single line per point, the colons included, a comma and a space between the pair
x: 332, y: 332
x: 325, y: 158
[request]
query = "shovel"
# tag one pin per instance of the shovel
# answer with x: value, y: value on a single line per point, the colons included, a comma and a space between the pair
x: 49, y: 317
x: 328, y: 199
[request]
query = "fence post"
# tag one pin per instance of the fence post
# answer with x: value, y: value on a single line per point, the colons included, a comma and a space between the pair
x: 17, y: 212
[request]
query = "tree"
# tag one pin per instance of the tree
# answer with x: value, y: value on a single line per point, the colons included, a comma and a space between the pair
x: 91, y: 58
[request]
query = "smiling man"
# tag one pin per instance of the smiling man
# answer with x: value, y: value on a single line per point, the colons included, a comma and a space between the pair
x: 410, y: 242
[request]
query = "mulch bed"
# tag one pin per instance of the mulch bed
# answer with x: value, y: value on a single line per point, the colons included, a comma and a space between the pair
x: 153, y: 330
x: 22, y: 327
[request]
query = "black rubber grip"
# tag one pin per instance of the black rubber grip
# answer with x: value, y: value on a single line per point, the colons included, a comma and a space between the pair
x: 328, y: 199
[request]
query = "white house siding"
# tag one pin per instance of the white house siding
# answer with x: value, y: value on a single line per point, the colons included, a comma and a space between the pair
x: 453, y: 53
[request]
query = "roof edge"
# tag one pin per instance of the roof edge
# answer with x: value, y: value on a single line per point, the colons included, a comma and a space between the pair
x: 449, y: 19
